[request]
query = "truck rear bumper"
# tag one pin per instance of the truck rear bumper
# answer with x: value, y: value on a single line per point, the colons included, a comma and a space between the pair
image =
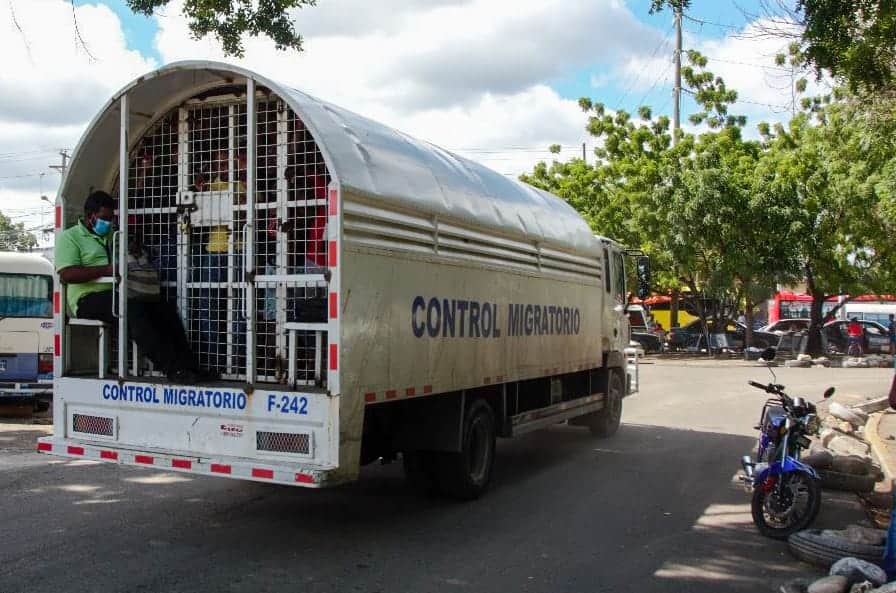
x: 26, y: 390
x: 289, y: 474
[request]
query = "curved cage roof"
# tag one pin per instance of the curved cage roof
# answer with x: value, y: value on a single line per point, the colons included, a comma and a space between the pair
x: 363, y: 156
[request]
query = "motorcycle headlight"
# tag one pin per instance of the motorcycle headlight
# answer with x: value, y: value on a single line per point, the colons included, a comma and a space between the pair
x: 812, y: 424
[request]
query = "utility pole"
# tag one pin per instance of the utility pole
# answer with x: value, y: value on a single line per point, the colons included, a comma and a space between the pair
x: 676, y: 91
x: 585, y: 160
x: 62, y: 168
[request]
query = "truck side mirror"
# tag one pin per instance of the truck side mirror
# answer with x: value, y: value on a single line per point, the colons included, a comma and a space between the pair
x: 643, y: 271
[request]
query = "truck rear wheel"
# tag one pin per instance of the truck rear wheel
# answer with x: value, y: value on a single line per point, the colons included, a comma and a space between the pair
x: 465, y: 475
x: 606, y: 422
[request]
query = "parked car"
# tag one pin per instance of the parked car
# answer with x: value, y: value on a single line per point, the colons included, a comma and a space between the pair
x: 876, y: 336
x: 651, y: 343
x: 644, y: 329
x: 691, y: 337
x: 786, y: 326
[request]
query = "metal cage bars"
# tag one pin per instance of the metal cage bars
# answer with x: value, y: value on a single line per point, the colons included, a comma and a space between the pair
x: 287, y: 232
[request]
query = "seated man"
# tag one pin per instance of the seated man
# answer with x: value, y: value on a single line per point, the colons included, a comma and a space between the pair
x: 83, y: 257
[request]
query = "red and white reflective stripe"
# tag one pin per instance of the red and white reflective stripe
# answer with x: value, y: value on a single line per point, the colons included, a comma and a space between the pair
x: 372, y: 397
x: 241, y: 470
x: 334, y: 257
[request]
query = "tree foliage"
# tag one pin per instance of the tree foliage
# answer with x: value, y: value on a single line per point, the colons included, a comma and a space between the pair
x: 14, y: 237
x: 229, y: 20
x: 854, y: 40
x: 728, y: 218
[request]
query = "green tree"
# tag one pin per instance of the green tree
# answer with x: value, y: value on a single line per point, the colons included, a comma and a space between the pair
x: 833, y: 178
x: 229, y: 20
x: 14, y: 237
x: 854, y: 40
x: 689, y: 207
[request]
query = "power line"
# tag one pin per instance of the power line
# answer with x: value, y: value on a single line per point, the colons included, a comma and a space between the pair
x: 777, y: 68
x: 634, y: 80
x: 21, y: 176
x: 705, y: 22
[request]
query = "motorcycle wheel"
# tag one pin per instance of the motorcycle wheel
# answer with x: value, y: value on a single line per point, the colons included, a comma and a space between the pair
x: 786, y: 509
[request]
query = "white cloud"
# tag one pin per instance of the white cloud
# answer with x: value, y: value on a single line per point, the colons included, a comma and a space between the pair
x: 744, y: 59
x: 461, y: 74
x: 50, y: 88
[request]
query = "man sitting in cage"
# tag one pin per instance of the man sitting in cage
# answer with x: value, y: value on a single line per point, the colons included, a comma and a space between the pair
x: 82, y: 258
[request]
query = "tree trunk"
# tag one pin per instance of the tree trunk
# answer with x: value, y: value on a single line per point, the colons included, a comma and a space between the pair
x: 748, y: 321
x: 673, y: 310
x: 814, y: 346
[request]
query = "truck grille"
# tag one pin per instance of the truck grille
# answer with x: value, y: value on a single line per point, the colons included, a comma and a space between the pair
x: 283, y: 442
x: 98, y: 425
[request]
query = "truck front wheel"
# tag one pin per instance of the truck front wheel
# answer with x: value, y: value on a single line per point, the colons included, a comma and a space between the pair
x: 606, y: 422
x: 465, y: 474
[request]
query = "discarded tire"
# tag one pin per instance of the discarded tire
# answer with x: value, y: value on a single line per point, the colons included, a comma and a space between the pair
x: 823, y: 548
x: 831, y: 480
x: 819, y: 459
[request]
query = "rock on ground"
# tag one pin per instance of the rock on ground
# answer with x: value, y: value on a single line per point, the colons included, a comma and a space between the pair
x: 855, y: 417
x: 845, y: 445
x: 832, y: 584
x: 863, y: 587
x: 870, y: 536
x: 855, y: 363
x: 856, y: 571
x: 802, y: 364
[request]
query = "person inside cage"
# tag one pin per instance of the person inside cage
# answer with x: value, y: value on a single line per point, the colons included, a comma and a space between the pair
x: 82, y: 258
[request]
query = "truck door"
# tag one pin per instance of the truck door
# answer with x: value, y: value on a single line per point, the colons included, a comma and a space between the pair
x: 620, y: 321
x: 189, y: 203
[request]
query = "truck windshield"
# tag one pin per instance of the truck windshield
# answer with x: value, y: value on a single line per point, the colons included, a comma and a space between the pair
x: 26, y: 295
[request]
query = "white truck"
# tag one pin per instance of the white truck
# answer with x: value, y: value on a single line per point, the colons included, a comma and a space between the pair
x: 359, y: 294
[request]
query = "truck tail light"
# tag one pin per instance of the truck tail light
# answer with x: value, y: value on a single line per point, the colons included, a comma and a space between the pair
x: 44, y: 363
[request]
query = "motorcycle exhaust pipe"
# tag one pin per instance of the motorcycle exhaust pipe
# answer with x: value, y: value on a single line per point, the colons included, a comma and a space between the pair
x: 748, y: 466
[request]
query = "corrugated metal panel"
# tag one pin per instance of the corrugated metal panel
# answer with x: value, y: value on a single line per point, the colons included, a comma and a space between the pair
x: 366, y: 157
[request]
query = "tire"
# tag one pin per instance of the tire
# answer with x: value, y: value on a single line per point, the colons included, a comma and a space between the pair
x: 421, y: 469
x: 465, y: 475
x: 605, y: 422
x: 820, y: 549
x: 831, y: 480
x: 805, y: 483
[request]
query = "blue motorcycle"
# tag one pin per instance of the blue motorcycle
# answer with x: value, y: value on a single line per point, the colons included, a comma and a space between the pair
x: 786, y: 492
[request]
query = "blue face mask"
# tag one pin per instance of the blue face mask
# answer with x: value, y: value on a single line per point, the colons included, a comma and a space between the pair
x: 101, y: 227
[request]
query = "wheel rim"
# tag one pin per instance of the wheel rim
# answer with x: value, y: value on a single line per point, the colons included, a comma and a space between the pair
x: 615, y: 403
x: 479, y: 449
x: 788, y: 504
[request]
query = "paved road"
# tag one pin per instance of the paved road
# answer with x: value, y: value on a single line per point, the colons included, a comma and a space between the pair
x: 652, y: 509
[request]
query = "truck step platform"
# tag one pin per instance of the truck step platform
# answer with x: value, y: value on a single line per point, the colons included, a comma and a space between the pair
x: 289, y: 474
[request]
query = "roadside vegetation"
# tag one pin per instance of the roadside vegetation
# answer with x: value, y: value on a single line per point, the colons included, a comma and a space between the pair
x: 728, y: 212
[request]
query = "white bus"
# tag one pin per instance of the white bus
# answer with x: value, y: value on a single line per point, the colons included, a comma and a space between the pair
x: 26, y: 328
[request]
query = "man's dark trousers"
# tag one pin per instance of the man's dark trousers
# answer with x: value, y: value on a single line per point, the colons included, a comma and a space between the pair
x: 154, y: 325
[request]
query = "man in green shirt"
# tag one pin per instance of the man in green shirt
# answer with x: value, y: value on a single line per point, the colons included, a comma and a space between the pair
x: 83, y: 257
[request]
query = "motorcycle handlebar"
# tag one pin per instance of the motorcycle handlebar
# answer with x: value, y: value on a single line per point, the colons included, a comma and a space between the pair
x: 758, y: 385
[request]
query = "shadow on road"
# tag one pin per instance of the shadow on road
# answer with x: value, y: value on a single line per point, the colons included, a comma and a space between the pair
x: 652, y: 509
